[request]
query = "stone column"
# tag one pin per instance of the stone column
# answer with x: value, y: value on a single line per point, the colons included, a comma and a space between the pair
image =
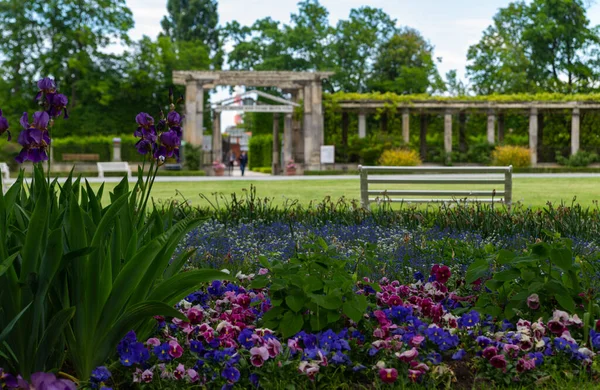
x: 448, y: 135
x: 297, y: 130
x: 423, y: 136
x: 191, y: 95
x: 406, y: 126
x: 462, y: 132
x: 575, y: 121
x: 318, y: 120
x: 491, y: 127
x: 533, y: 134
x: 200, y: 114
x: 275, y: 165
x: 500, y: 127
x: 308, y: 125
x: 116, y: 149
x: 362, y: 124
x: 217, y: 138
x: 288, y: 148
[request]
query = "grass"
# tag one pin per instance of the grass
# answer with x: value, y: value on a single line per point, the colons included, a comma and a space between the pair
x: 535, y: 192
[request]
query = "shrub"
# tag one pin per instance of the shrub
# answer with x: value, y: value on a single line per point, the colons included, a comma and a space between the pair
x: 400, y: 157
x: 261, y: 151
x: 98, y: 144
x: 579, y: 159
x: 517, y: 156
x: 192, y: 157
x: 262, y: 169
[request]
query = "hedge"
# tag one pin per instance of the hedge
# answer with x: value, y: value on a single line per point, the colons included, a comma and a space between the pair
x: 96, y: 144
x: 261, y: 151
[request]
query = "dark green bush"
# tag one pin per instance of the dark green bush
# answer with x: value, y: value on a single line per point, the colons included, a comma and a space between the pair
x: 579, y: 159
x: 261, y: 151
x: 96, y: 144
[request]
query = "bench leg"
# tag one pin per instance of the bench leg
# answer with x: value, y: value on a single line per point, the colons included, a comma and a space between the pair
x: 101, y: 174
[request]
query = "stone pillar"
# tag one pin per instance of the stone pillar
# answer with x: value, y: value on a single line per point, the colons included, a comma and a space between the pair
x: 308, y: 125
x: 288, y: 148
x: 217, y: 138
x: 362, y: 124
x: 448, y: 135
x: 406, y: 126
x: 423, y: 136
x: 533, y: 134
x: 491, y: 127
x: 116, y: 149
x: 500, y: 127
x: 462, y: 132
x: 191, y: 95
x: 575, y: 121
x: 275, y: 165
x: 200, y: 115
x: 297, y: 130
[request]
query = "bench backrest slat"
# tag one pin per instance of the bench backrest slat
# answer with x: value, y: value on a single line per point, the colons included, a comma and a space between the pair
x: 504, y: 196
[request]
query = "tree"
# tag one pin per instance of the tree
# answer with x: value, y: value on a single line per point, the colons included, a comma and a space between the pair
x: 356, y: 44
x: 544, y: 46
x: 405, y: 65
x: 455, y: 86
x: 194, y: 21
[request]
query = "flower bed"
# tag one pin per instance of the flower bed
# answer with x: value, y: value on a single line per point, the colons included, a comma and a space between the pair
x: 411, y: 334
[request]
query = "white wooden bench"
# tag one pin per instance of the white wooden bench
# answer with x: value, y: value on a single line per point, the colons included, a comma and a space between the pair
x: 113, y: 167
x: 439, y: 196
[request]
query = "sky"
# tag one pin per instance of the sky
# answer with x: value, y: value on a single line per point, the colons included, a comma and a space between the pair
x: 451, y: 26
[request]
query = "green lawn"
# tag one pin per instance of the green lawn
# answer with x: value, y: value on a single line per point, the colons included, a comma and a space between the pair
x: 530, y: 191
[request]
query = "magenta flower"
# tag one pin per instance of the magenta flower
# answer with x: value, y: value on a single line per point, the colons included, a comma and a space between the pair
x: 175, y: 349
x: 525, y: 364
x: 490, y: 352
x: 498, y: 361
x: 310, y: 369
x: 154, y: 342
x: 179, y: 372
x: 194, y: 315
x: 408, y: 356
x: 388, y: 375
x: 193, y: 375
x: 556, y: 327
x: 413, y: 375
x: 258, y: 356
x: 147, y: 376
x: 533, y: 302
x: 274, y: 347
x: 441, y: 272
x: 34, y: 138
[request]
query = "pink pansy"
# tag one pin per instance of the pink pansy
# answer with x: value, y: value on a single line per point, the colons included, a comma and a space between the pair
x: 538, y: 329
x: 575, y: 320
x: 414, y: 375
x: 490, y: 352
x: 379, y: 333
x: 408, y: 356
x: 560, y: 316
x: 259, y: 356
x: 394, y: 300
x: 153, y: 342
x: 310, y: 369
x: 263, y: 271
x: 293, y: 345
x: 498, y: 361
x: 179, y: 372
x: 137, y: 376
x: 175, y: 349
x: 388, y: 375
x: 567, y: 336
x: 416, y: 341
x: 533, y: 302
x: 193, y: 375
x: 556, y: 327
x: 274, y: 347
x: 194, y: 315
x: 525, y: 364
x: 321, y: 359
x: 147, y: 376
x: 414, y: 365
x: 511, y: 350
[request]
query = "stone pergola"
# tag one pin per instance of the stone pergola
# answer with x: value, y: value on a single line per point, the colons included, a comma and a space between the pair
x: 307, y: 137
x: 494, y: 110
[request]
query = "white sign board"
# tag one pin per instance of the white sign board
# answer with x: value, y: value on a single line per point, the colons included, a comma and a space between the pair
x: 207, y: 143
x: 327, y: 154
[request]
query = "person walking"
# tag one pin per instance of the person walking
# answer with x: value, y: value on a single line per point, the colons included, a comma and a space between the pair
x: 243, y: 161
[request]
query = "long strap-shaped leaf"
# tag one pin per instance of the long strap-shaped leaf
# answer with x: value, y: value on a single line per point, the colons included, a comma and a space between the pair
x: 6, y: 331
x: 179, y: 286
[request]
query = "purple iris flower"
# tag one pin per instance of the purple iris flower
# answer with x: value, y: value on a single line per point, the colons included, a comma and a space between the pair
x: 58, y: 104
x: 42, y: 380
x: 34, y: 138
x: 232, y: 374
x: 46, y: 86
x: 169, y: 145
x: 4, y: 126
x: 174, y: 122
x: 147, y: 132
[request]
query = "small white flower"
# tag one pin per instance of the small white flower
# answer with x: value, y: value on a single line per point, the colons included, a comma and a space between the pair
x: 226, y: 271
x: 185, y: 304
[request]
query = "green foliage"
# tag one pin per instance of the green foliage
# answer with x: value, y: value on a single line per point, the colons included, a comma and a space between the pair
x: 261, y: 151
x: 97, y: 144
x: 262, y: 169
x: 405, y: 65
x: 544, y: 45
x: 400, y: 157
x: 579, y: 159
x: 547, y: 269
x: 311, y: 291
x: 77, y: 276
x: 516, y: 156
x: 192, y: 157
